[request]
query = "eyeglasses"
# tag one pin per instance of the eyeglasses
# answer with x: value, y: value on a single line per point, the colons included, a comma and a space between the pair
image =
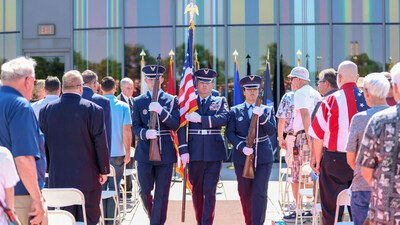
x: 320, y: 81
x: 292, y: 78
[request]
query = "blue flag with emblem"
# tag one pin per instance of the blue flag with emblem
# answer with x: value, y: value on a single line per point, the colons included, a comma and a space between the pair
x: 237, y: 93
x: 268, y: 98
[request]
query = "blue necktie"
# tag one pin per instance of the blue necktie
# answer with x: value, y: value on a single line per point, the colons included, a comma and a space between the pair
x: 203, y: 101
x: 250, y: 111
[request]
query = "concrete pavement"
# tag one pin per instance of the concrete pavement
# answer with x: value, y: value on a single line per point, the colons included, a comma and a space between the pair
x: 227, y: 190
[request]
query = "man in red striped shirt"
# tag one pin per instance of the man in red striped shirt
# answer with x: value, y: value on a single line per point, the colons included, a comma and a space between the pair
x: 330, y: 129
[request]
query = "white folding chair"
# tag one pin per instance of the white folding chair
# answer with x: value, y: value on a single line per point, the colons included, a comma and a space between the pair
x: 284, y: 173
x: 317, y: 206
x: 305, y: 183
x: 344, y: 198
x: 127, y: 174
x: 62, y: 197
x: 111, y: 194
x: 60, y: 217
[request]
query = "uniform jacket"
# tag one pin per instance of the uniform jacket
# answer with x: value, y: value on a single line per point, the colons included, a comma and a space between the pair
x: 211, y: 147
x: 75, y: 142
x: 168, y: 120
x: 237, y: 129
x: 104, y: 103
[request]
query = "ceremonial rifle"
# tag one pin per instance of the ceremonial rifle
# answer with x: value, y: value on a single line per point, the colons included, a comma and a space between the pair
x: 154, y: 151
x: 248, y: 170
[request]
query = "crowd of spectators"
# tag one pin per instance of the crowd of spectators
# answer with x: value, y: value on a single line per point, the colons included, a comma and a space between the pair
x: 353, y: 140
x: 67, y: 135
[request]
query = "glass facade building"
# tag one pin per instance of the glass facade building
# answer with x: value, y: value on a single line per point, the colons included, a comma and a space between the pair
x: 9, y: 29
x: 108, y: 35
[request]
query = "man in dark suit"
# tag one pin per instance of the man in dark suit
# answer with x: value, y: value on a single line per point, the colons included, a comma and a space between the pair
x: 150, y: 172
x: 205, y: 145
x: 252, y: 192
x: 126, y: 85
x: 76, y: 145
x: 90, y: 86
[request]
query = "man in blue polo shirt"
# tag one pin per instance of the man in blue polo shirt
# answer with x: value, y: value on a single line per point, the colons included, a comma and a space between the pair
x: 121, y: 137
x: 19, y: 132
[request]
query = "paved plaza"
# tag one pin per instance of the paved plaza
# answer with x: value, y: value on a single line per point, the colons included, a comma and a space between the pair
x: 226, y: 191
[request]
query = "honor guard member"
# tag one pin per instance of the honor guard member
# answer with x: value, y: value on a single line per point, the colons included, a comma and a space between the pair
x: 150, y: 172
x: 205, y: 145
x: 252, y: 192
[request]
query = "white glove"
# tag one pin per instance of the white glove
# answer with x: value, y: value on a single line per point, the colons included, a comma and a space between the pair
x: 185, y: 159
x: 247, y: 151
x: 151, y: 134
x: 155, y: 107
x: 258, y: 111
x: 193, y: 117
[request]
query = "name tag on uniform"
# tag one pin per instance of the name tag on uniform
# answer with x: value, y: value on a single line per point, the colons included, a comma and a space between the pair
x: 214, y: 106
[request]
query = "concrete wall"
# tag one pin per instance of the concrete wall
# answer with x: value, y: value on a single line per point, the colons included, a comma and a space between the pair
x: 57, y: 12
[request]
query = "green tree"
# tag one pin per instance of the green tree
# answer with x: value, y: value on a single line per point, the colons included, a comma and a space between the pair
x: 365, y: 64
x: 48, y: 66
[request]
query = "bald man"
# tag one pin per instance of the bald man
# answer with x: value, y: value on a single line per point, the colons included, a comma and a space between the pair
x: 329, y: 131
x: 76, y: 144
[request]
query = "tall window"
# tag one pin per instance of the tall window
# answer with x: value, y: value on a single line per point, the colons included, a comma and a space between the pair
x: 9, y: 29
x: 110, y: 34
x: 98, y: 37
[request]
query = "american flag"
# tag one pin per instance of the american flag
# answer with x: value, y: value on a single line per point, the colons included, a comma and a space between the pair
x: 332, y: 121
x: 187, y: 96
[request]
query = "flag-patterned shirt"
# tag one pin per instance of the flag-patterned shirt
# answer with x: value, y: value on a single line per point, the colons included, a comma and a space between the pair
x: 332, y: 121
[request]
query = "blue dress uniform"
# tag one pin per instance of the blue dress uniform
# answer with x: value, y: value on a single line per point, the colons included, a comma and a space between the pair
x: 150, y: 172
x: 206, y: 149
x: 252, y: 192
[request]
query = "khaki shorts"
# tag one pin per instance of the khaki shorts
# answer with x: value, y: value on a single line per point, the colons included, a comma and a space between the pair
x: 22, y: 205
x: 289, y: 153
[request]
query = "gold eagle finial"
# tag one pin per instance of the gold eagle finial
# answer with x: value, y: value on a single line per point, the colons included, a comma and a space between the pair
x: 192, y: 8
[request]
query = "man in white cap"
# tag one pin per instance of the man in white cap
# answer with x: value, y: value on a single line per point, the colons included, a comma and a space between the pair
x: 329, y: 131
x: 305, y: 99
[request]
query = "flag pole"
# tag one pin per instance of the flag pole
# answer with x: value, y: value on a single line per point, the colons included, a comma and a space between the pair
x: 184, y: 182
x: 298, y: 53
x: 192, y: 9
x: 171, y: 90
x: 235, y: 54
x: 143, y: 85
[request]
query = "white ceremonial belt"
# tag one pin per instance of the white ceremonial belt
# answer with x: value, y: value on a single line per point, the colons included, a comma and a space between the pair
x: 204, y: 131
x: 260, y: 139
x: 164, y: 132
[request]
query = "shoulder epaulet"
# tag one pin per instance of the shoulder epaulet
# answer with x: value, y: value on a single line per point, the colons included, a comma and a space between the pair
x: 140, y: 97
